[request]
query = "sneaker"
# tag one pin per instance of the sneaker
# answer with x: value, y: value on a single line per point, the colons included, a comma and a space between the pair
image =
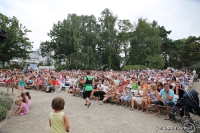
x: 96, y: 101
x: 88, y: 105
x: 100, y: 102
x: 112, y: 103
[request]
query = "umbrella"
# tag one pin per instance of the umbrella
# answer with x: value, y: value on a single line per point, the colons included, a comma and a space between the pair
x: 3, y: 35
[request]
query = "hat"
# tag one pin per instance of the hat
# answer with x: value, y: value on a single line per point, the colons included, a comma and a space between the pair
x: 168, y: 79
x: 128, y: 79
x: 129, y: 86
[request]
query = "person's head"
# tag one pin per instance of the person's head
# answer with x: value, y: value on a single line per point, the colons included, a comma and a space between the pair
x: 88, y: 72
x: 120, y: 83
x: 169, y: 81
x: 166, y: 86
x: 58, y: 103
x: 149, y: 89
x: 153, y: 87
x: 177, y: 83
x: 28, y: 95
x: 133, y: 78
x: 180, y: 79
x: 21, y: 76
x: 23, y: 95
x: 128, y: 81
x: 112, y: 82
x: 18, y: 102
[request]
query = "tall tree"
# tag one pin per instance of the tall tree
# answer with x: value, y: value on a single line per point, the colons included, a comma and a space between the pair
x: 18, y: 44
x: 147, y: 42
x: 109, y: 44
x: 125, y: 29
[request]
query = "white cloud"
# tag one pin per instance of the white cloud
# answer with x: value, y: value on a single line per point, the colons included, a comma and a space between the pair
x: 180, y: 16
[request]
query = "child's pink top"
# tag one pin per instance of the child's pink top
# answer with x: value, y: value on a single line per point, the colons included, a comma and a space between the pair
x: 25, y: 108
x: 28, y: 102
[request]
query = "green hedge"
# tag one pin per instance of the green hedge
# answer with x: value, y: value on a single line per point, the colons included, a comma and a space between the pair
x: 3, y: 113
x: 5, y: 103
x: 132, y: 67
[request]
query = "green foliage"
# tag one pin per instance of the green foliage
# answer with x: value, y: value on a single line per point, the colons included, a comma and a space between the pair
x: 133, y: 67
x: 85, y: 42
x: 39, y: 64
x: 5, y: 103
x: 3, y: 113
x: 146, y: 45
x: 17, y: 44
x: 48, y: 63
x: 61, y: 67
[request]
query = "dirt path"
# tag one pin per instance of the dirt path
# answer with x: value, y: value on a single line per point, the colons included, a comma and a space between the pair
x: 96, y: 119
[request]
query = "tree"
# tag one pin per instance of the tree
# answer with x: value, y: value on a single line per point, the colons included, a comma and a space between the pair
x: 111, y: 49
x: 74, y: 39
x: 18, y: 44
x: 166, y: 44
x: 125, y: 29
x: 146, y: 45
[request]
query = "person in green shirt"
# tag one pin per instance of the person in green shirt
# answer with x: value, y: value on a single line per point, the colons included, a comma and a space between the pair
x: 88, y: 83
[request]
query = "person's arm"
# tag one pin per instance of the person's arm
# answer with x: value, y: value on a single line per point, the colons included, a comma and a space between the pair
x: 49, y: 122
x: 169, y: 97
x: 183, y: 87
x: 158, y: 96
x: 66, y: 122
x: 82, y: 81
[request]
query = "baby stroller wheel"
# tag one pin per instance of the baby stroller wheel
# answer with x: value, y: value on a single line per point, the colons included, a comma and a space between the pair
x: 185, y: 119
x: 189, y: 127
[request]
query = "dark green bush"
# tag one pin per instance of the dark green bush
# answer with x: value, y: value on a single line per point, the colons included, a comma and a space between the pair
x: 5, y: 103
x: 3, y: 113
x: 133, y: 67
x: 6, y: 97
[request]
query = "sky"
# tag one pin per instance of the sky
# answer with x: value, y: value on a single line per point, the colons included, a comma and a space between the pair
x: 180, y: 16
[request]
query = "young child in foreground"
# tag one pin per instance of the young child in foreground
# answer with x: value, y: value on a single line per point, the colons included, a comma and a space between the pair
x: 22, y: 108
x: 58, y: 120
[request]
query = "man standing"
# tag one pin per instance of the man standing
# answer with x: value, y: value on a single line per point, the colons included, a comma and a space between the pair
x: 88, y: 83
x: 165, y: 98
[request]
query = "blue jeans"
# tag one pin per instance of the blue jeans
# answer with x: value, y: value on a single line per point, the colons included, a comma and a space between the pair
x: 171, y: 104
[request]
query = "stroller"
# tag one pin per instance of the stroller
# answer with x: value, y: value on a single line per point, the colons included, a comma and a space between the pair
x: 178, y: 111
x: 191, y: 102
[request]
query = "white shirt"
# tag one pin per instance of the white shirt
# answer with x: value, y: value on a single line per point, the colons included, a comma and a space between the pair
x: 101, y: 87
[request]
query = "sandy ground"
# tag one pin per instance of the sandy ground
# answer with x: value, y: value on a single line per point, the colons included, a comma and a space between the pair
x: 104, y: 118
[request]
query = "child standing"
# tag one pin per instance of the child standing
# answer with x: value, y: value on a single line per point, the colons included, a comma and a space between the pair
x: 22, y: 108
x: 58, y: 120
x: 21, y: 85
x: 28, y: 99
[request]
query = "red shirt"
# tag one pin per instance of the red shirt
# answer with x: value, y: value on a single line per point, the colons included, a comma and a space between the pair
x: 55, y: 82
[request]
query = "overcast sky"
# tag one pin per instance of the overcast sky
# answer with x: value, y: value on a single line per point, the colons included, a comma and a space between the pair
x: 180, y: 16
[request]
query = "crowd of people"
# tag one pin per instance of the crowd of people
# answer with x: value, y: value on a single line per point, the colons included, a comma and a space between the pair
x: 133, y: 88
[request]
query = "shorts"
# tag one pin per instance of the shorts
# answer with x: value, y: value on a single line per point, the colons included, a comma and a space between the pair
x: 157, y: 102
x: 86, y: 94
x: 20, y: 87
x: 127, y: 98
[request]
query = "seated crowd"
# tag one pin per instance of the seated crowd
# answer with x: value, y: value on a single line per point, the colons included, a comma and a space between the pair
x: 134, y: 88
